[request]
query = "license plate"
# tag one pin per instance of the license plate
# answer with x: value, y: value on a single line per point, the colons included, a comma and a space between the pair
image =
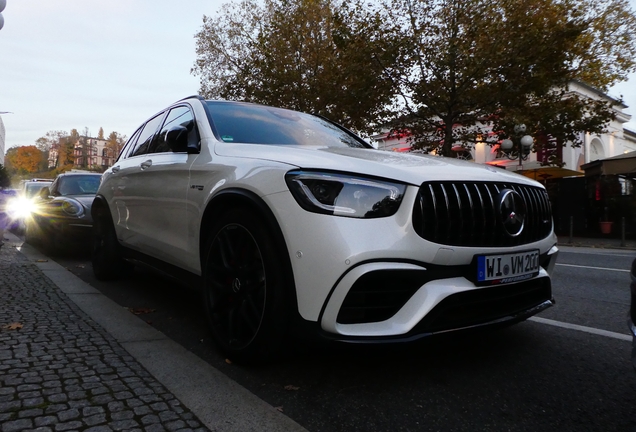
x: 507, y: 268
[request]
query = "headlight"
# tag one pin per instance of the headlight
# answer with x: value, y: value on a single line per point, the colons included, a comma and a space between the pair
x: 19, y: 208
x: 345, y: 195
x: 72, y: 207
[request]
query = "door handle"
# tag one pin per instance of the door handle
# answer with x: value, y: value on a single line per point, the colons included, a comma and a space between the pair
x: 146, y: 164
x: 115, y: 169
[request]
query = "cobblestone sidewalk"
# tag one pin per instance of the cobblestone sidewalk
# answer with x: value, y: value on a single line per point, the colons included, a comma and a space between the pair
x: 60, y: 371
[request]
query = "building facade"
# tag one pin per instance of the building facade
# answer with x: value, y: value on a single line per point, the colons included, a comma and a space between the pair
x: 615, y: 141
x: 88, y: 153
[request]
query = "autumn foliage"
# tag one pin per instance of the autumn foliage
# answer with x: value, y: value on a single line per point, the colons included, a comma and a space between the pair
x: 26, y: 159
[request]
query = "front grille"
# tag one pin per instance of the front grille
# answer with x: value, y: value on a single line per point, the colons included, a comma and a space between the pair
x: 483, y: 305
x: 468, y: 214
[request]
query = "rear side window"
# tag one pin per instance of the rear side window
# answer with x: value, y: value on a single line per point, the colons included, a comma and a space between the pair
x: 129, y: 145
x: 146, y: 136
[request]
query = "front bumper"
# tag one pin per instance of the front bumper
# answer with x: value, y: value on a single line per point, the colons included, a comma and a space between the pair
x: 411, y: 279
x: 63, y: 227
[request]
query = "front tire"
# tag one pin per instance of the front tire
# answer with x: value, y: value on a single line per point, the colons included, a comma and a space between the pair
x: 35, y: 233
x: 244, y: 288
x: 106, y: 255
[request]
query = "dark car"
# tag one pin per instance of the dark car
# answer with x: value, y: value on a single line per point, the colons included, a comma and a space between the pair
x: 632, y: 314
x: 62, y: 211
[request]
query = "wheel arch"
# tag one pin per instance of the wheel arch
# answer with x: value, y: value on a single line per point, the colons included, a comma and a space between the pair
x: 241, y: 198
x: 98, y: 207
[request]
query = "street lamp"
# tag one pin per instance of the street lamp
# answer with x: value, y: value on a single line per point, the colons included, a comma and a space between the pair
x: 523, y: 145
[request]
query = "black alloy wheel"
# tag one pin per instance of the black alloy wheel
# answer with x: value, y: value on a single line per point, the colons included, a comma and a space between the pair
x: 244, y: 294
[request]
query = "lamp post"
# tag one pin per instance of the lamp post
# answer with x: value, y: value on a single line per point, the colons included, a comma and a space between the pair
x: 519, y: 146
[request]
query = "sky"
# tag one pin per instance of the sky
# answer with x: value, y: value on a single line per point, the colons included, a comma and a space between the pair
x: 75, y: 64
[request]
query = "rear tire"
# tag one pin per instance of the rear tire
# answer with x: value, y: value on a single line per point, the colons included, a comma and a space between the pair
x: 106, y: 256
x: 244, y: 288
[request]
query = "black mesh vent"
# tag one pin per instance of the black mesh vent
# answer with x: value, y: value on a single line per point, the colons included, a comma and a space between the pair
x: 484, y: 305
x: 468, y: 214
x: 378, y: 295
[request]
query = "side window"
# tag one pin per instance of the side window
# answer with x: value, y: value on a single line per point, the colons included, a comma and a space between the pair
x: 178, y: 116
x: 146, y: 135
x: 129, y: 145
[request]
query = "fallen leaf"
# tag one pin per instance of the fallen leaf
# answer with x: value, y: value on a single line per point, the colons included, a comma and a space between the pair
x: 42, y: 260
x: 80, y: 266
x: 279, y: 408
x: 228, y: 361
x: 13, y: 326
x: 291, y: 387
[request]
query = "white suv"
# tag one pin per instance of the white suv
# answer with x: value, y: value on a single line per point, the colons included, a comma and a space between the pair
x: 286, y: 220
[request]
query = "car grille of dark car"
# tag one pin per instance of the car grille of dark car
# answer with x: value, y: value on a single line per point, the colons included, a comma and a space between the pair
x: 468, y: 214
x: 484, y: 305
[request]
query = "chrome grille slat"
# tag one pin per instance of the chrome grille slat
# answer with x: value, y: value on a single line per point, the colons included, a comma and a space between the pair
x: 468, y: 214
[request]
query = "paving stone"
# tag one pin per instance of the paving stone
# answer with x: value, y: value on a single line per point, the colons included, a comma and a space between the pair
x: 95, y: 419
x: 45, y: 421
x: 99, y: 429
x: 73, y: 425
x: 17, y: 425
x: 62, y: 372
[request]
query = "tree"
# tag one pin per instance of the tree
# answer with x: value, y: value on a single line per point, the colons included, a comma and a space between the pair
x: 466, y: 68
x: 115, y: 143
x: 5, y: 180
x: 100, y: 134
x: 25, y: 159
x: 66, y: 151
x: 307, y: 55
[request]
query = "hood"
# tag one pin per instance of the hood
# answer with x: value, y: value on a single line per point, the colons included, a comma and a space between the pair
x: 405, y: 167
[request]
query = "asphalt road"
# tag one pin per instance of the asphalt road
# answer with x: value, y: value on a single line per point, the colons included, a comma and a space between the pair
x: 529, y: 377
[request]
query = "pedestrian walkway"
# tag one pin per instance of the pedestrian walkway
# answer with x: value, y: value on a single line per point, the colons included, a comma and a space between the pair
x: 71, y: 359
x: 597, y: 242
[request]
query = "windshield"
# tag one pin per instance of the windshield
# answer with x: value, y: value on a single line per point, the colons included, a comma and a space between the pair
x: 79, y: 185
x: 238, y: 123
x: 31, y: 189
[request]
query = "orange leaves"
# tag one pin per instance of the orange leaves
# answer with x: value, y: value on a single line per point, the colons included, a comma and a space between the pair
x: 13, y: 326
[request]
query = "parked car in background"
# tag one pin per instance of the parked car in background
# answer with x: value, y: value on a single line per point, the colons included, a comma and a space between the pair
x: 21, y: 204
x: 632, y: 313
x: 7, y: 222
x: 30, y: 188
x: 61, y: 211
x: 287, y: 220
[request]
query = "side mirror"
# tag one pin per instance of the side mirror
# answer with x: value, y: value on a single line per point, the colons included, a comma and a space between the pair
x: 45, y: 192
x: 177, y: 138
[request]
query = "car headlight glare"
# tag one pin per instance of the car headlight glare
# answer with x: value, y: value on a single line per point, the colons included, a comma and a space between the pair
x: 19, y: 208
x: 72, y: 207
x: 345, y: 195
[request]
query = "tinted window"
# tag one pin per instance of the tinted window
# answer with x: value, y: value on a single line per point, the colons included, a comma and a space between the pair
x: 179, y: 116
x: 78, y: 185
x: 257, y: 124
x: 130, y: 144
x: 146, y: 136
